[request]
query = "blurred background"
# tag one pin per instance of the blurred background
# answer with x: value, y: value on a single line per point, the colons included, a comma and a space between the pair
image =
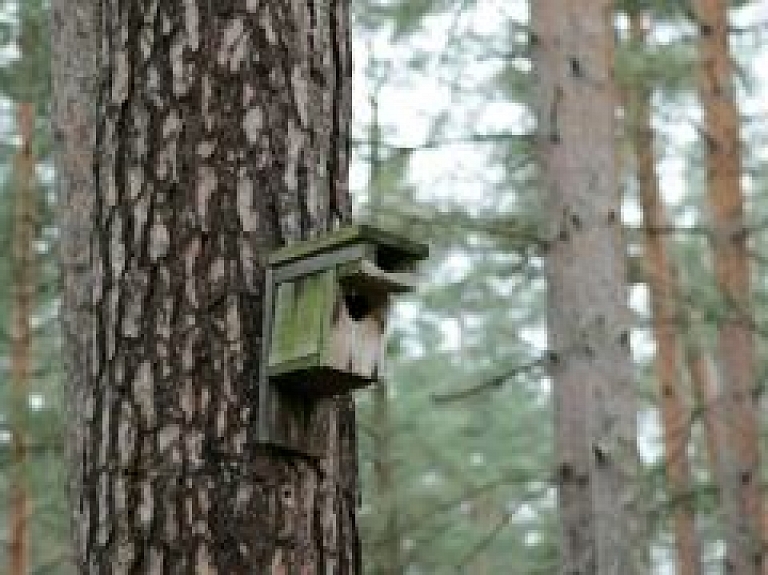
x: 456, y: 444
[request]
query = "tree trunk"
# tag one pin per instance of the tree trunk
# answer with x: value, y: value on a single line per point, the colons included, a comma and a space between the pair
x: 665, y: 298
x: 222, y: 133
x: 744, y: 539
x: 24, y: 289
x: 387, y: 558
x: 589, y: 324
x: 387, y: 554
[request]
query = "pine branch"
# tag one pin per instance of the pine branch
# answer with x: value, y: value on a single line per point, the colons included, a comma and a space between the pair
x: 492, y: 383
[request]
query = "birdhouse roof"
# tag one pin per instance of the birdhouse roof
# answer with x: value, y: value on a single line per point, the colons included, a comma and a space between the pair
x: 398, y: 248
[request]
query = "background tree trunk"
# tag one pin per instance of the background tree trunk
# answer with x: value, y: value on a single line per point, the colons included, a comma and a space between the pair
x: 589, y: 325
x: 387, y: 554
x: 666, y: 313
x: 24, y: 291
x: 736, y: 355
x: 387, y: 558
x: 222, y: 133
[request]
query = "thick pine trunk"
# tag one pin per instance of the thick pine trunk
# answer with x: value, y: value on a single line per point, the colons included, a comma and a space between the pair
x: 589, y: 324
x: 24, y: 289
x: 221, y: 134
x: 664, y: 291
x: 736, y: 355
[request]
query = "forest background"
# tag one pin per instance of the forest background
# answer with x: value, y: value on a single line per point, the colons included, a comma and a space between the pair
x: 457, y: 443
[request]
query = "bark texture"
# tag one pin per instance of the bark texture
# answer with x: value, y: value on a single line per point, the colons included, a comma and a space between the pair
x: 221, y: 134
x: 736, y: 354
x: 589, y: 325
x: 664, y: 290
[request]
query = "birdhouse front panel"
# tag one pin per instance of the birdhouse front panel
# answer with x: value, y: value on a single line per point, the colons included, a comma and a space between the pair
x: 327, y: 337
x: 301, y: 322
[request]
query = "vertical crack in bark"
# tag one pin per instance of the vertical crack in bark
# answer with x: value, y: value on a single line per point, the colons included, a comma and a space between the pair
x: 339, y: 208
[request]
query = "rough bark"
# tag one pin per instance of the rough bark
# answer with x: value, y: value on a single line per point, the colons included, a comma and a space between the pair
x: 736, y: 354
x: 589, y: 325
x: 664, y: 291
x: 24, y: 290
x: 221, y: 133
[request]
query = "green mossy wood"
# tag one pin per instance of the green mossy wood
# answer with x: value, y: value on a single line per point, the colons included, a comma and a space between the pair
x: 301, y: 324
x: 330, y: 303
x: 395, y: 251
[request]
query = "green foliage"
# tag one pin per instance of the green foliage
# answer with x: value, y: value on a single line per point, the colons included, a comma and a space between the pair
x: 484, y: 397
x: 469, y: 415
x: 403, y: 17
x: 24, y: 78
x: 663, y: 67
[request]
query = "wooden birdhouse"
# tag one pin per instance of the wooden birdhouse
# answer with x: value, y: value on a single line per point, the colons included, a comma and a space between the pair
x: 327, y: 302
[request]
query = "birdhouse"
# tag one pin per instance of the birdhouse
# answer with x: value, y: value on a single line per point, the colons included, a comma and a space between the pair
x: 327, y: 302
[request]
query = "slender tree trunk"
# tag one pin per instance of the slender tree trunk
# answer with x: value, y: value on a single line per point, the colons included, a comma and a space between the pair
x: 664, y: 292
x: 589, y: 324
x: 745, y: 547
x: 222, y: 133
x: 24, y: 289
x: 388, y: 554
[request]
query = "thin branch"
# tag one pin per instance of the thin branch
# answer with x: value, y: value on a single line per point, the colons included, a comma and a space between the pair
x: 486, y: 541
x: 492, y: 383
x: 436, y: 143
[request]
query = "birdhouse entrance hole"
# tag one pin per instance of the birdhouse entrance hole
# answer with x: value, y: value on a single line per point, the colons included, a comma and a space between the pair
x: 358, y: 305
x: 389, y: 259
